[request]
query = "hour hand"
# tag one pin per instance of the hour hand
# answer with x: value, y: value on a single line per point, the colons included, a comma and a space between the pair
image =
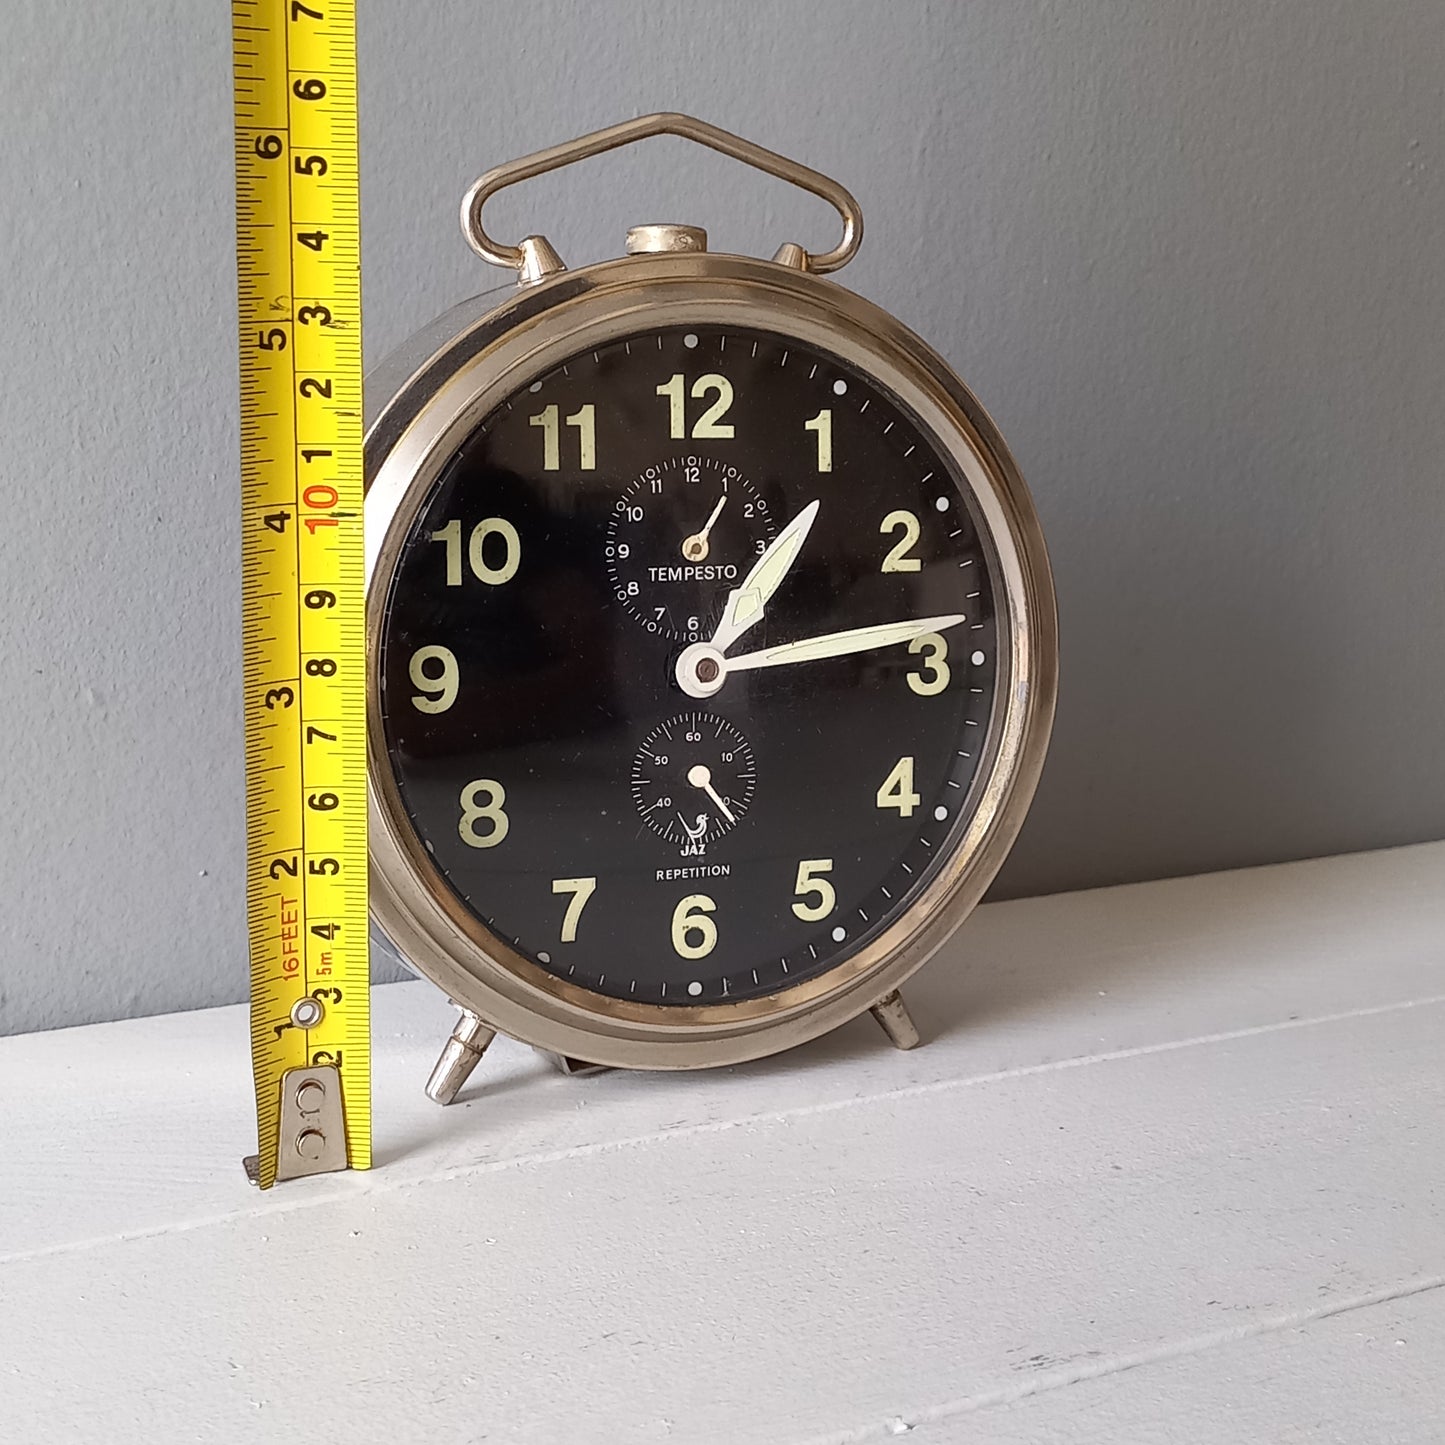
x: 840, y: 644
x: 746, y: 602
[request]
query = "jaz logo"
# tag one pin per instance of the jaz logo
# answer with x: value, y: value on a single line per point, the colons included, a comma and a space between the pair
x: 696, y: 845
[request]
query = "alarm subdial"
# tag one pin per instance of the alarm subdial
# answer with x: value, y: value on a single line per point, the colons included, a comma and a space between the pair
x: 679, y: 538
x: 692, y: 780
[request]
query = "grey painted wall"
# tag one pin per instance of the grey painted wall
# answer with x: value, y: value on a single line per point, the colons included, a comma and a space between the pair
x: 1189, y: 255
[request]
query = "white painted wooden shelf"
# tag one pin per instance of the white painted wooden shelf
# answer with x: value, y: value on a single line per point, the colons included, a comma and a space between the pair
x: 1168, y: 1169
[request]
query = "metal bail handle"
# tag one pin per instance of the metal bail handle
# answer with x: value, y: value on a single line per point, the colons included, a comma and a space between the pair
x: 645, y: 126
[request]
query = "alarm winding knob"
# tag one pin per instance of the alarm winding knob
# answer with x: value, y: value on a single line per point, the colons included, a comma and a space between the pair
x: 665, y: 236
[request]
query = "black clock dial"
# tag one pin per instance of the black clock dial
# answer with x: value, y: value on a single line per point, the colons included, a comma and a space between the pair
x: 692, y: 780
x: 678, y: 537
x: 529, y: 694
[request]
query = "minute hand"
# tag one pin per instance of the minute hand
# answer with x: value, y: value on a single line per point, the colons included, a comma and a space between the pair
x: 839, y: 644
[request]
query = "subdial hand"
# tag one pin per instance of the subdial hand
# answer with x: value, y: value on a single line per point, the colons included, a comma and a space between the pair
x: 840, y: 644
x: 694, y: 548
x: 700, y: 776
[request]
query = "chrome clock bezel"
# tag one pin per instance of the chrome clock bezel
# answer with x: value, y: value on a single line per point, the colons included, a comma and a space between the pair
x: 459, y: 370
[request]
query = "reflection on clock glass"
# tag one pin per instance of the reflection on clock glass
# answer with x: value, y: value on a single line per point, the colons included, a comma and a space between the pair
x: 688, y: 666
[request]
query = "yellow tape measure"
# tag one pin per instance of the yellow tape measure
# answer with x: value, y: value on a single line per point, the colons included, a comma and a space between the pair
x: 303, y: 582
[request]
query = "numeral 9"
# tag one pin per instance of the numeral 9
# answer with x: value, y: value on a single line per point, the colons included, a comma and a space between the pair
x: 442, y: 689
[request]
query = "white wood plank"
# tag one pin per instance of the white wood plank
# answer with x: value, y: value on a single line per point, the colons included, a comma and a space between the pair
x: 798, y: 1277
x: 120, y: 1128
x: 1184, y: 1122
x: 1369, y: 1374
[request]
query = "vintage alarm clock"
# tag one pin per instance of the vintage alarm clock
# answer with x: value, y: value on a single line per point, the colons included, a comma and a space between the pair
x: 711, y: 646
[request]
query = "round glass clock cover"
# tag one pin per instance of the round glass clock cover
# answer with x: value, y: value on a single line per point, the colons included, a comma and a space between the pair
x: 688, y: 665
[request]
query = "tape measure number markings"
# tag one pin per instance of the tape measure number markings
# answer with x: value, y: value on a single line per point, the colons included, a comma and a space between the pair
x: 303, y: 582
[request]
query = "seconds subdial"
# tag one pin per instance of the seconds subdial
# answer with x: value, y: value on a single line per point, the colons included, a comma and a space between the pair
x: 683, y: 533
x: 693, y: 779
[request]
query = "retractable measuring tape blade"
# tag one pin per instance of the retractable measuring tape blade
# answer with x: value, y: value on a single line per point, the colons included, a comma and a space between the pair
x: 303, y: 582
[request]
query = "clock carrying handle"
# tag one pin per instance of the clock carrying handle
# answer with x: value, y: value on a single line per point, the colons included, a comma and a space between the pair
x: 663, y: 123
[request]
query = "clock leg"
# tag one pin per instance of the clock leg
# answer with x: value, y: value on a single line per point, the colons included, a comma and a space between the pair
x: 463, y: 1052
x: 892, y: 1014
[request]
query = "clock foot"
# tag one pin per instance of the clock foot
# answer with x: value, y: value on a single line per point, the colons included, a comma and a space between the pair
x: 892, y: 1014
x: 571, y: 1067
x: 463, y: 1052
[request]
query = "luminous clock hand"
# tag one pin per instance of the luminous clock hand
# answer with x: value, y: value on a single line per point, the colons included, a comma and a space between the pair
x: 839, y: 644
x: 746, y: 602
x: 700, y: 776
x: 701, y: 667
x: 694, y: 548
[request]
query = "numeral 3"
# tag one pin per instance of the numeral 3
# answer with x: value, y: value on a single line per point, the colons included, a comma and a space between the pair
x: 934, y: 676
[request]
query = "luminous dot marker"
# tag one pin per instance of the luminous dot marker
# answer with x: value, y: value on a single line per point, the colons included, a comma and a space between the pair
x: 839, y: 934
x: 839, y: 387
x: 978, y: 659
x: 544, y: 958
x: 535, y: 386
x: 942, y: 504
x: 694, y: 988
x: 690, y: 340
x: 940, y: 814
